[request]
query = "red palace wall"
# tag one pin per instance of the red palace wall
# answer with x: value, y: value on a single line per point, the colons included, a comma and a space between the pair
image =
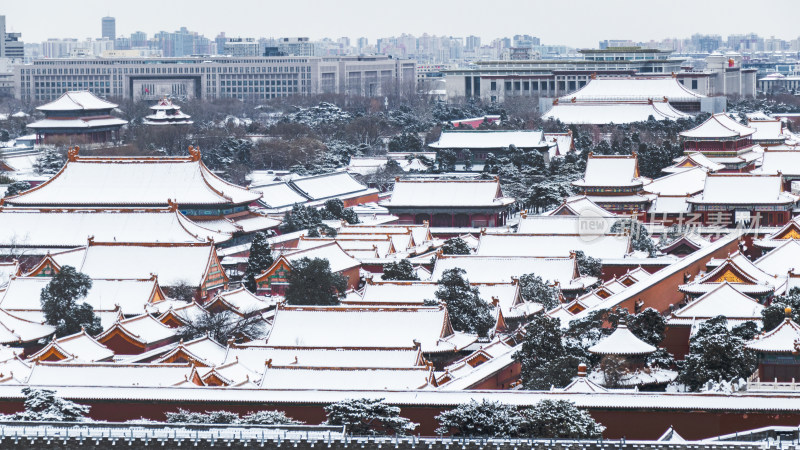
x: 627, y: 423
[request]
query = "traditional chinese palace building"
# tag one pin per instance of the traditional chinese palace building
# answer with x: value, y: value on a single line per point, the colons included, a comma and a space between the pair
x: 181, y: 182
x: 167, y: 113
x: 613, y: 183
x: 731, y: 198
x: 497, y: 142
x: 449, y: 203
x: 724, y: 141
x: 79, y: 117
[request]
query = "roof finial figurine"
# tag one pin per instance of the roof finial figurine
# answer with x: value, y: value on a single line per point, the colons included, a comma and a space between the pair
x: 581, y: 370
x: 194, y: 152
x: 72, y: 154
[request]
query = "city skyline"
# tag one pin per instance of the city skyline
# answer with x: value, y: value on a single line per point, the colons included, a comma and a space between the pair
x: 354, y: 19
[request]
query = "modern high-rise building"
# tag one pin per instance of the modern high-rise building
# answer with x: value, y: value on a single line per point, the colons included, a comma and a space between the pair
x: 473, y: 42
x: 11, y: 45
x: 109, y: 28
x: 138, y: 39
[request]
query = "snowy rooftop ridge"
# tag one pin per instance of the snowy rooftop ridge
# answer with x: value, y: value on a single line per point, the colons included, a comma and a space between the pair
x: 633, y: 89
x: 719, y: 126
x: 602, y: 113
x: 489, y: 139
x: 77, y: 100
x: 612, y: 171
x: 144, y: 181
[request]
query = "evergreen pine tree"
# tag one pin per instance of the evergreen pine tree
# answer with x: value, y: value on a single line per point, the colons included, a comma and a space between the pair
x: 17, y: 187
x: 468, y: 312
x: 44, y: 405
x: 544, y: 359
x: 260, y: 259
x: 534, y: 289
x: 456, y: 246
x: 401, y: 270
x: 59, y: 303
x: 311, y: 282
x: 368, y: 417
x: 484, y: 419
x: 49, y: 162
x: 715, y: 354
x: 558, y: 419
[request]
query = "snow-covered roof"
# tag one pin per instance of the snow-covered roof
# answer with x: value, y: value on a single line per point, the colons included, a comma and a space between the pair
x: 738, y: 270
x: 743, y: 189
x: 32, y: 228
x: 670, y: 204
x: 791, y: 230
x: 633, y: 89
x: 416, y: 292
x: 7, y: 270
x: 582, y: 384
x: 781, y: 260
x: 143, y: 328
x: 718, y: 125
x: 515, y: 244
x: 563, y: 143
x: 501, y: 269
x: 255, y: 356
x: 603, y: 113
x: 420, y: 233
x: 694, y: 159
x: 16, y: 330
x: 131, y: 295
x: 782, y: 339
x: 320, y: 187
x: 561, y: 224
x: 360, y: 327
x: 279, y: 195
x: 784, y: 162
x: 448, y: 193
x: 172, y: 263
x: 203, y: 350
x: 767, y: 129
x: 122, y: 181
x: 76, y: 347
x: 81, y: 122
x: 108, y: 374
x: 679, y: 266
x: 579, y: 205
x: 724, y: 300
x: 378, y: 379
x: 77, y: 100
x: 689, y: 181
x: 621, y: 342
x: 489, y: 139
x: 611, y: 171
x: 339, y: 259
x: 241, y: 301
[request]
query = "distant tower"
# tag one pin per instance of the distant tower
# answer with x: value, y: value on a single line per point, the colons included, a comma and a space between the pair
x: 109, y: 28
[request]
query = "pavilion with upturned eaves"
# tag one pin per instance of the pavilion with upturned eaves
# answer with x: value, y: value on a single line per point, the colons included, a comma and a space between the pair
x: 724, y: 141
x: 79, y: 116
x: 613, y: 183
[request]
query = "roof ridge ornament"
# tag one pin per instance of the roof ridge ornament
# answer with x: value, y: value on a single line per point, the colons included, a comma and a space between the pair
x: 72, y: 154
x: 194, y: 152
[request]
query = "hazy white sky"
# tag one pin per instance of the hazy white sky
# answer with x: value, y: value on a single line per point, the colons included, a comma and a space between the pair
x: 578, y: 23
